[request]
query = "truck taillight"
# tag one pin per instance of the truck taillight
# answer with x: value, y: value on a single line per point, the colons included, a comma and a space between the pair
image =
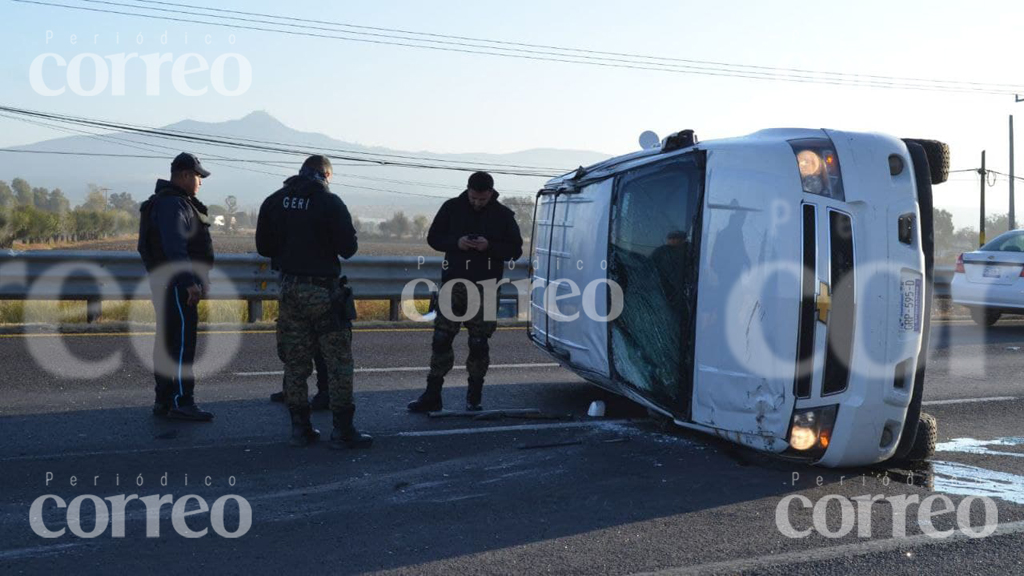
x: 960, y: 264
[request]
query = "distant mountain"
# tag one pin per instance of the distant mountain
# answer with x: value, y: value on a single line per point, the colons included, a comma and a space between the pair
x: 372, y: 191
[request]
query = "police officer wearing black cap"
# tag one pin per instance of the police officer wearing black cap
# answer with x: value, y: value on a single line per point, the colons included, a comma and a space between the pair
x: 175, y: 244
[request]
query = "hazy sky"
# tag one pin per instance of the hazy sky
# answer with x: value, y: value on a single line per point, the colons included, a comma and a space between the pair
x: 415, y: 99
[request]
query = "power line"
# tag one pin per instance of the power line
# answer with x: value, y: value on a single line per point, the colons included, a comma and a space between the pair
x: 284, y: 148
x: 221, y: 160
x: 164, y: 157
x: 776, y: 74
x: 70, y: 153
x: 1007, y: 175
x: 584, y: 54
x: 557, y: 48
x: 989, y: 171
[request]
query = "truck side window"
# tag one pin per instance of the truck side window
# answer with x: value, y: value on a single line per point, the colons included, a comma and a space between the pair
x: 654, y: 256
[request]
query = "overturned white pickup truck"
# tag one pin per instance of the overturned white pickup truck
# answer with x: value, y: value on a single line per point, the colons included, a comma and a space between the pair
x: 774, y: 289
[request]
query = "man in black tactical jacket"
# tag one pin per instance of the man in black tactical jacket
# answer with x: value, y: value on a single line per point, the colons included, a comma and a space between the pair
x: 175, y: 245
x: 478, y: 235
x: 304, y: 228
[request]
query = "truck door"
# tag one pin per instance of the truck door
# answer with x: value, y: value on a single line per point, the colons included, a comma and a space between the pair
x: 653, y: 257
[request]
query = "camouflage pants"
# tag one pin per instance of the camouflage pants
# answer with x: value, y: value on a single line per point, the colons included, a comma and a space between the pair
x: 442, y: 357
x: 306, y: 321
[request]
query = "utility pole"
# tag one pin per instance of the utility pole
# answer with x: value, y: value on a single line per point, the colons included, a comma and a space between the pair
x: 981, y: 225
x: 1013, y: 224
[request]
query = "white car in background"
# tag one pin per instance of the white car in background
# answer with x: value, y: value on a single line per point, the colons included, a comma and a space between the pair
x: 989, y: 280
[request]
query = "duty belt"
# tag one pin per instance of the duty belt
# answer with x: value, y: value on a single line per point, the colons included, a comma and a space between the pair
x: 321, y: 281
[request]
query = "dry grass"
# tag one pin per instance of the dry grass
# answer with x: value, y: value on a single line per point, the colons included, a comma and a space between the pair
x: 220, y: 311
x: 211, y: 311
x: 123, y: 241
x: 241, y: 244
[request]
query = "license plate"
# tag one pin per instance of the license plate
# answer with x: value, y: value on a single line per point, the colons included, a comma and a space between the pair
x: 910, y: 305
x: 992, y: 272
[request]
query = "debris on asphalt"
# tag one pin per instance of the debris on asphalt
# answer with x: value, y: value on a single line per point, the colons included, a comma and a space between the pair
x: 478, y: 414
x: 481, y: 415
x: 615, y: 440
x: 549, y: 445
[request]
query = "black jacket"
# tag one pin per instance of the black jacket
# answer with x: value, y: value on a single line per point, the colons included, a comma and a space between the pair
x: 496, y: 223
x: 304, y: 227
x: 175, y: 227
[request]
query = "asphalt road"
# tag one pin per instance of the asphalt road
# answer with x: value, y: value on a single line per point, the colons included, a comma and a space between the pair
x: 564, y: 495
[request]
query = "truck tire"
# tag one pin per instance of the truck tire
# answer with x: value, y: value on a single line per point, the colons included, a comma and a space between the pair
x: 985, y: 317
x: 924, y: 442
x: 922, y: 177
x: 938, y: 158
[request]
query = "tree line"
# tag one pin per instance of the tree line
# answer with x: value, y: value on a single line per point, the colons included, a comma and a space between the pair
x: 950, y: 242
x: 38, y: 215
x: 400, y: 226
x: 35, y: 214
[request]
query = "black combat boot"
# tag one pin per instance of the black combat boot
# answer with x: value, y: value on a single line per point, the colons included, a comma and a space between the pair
x: 345, y: 434
x: 473, y: 395
x: 303, y: 433
x: 430, y: 400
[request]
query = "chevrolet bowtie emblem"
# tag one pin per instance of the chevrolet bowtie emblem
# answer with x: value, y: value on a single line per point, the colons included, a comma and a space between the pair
x: 823, y: 302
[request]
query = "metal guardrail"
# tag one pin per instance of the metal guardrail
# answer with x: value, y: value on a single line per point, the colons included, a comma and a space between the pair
x: 95, y: 276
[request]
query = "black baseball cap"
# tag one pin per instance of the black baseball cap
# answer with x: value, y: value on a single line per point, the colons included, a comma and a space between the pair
x: 186, y: 161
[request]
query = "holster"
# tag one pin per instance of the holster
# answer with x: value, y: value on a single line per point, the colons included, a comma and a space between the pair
x: 343, y: 303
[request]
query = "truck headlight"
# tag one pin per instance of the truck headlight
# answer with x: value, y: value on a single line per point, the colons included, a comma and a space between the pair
x: 810, y: 432
x: 818, y: 164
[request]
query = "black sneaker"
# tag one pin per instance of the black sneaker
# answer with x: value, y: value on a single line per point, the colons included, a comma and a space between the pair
x: 321, y: 401
x: 160, y: 408
x: 277, y: 397
x: 191, y: 413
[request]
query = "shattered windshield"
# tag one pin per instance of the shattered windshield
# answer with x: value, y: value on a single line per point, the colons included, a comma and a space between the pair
x: 654, y: 257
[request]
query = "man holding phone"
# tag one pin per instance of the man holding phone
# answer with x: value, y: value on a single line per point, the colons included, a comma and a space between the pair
x: 477, y: 235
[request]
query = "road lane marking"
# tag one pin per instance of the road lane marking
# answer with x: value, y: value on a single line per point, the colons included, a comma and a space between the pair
x: 215, y: 332
x: 513, y: 428
x: 829, y: 553
x: 38, y: 551
x: 282, y: 441
x: 969, y: 400
x: 410, y: 369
